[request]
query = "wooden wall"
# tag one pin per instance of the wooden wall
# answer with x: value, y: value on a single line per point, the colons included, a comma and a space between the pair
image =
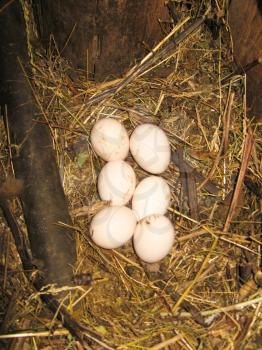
x: 111, y: 31
x: 245, y: 20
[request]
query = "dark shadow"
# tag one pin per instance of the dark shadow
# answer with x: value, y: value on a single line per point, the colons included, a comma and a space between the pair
x: 259, y: 5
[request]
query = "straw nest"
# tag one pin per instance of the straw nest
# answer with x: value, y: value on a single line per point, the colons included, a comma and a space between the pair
x: 194, y: 298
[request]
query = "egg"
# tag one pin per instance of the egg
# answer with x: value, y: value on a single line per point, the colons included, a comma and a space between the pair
x: 151, y: 196
x: 110, y: 140
x: 116, y: 182
x: 150, y: 148
x: 112, y: 227
x: 153, y: 238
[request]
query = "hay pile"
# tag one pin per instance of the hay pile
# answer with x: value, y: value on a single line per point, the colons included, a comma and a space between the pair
x: 194, y: 298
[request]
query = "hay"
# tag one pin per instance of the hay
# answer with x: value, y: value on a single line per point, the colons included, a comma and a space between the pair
x: 193, y: 299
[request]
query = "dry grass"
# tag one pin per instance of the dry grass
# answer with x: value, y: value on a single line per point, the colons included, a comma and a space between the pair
x: 135, y: 305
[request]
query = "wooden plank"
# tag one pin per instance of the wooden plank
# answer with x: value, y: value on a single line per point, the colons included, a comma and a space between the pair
x: 43, y: 200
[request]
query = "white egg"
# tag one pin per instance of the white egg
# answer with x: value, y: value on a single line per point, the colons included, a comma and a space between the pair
x: 153, y: 238
x: 116, y: 182
x: 152, y: 196
x: 150, y: 148
x: 112, y: 227
x: 109, y: 139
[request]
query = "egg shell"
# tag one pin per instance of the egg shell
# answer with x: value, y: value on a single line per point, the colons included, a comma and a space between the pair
x: 116, y: 182
x: 153, y: 238
x: 151, y: 196
x: 110, y: 140
x: 150, y: 148
x: 112, y: 226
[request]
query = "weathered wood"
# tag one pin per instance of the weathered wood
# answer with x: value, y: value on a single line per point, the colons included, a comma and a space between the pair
x: 43, y: 199
x: 245, y: 22
x: 111, y: 31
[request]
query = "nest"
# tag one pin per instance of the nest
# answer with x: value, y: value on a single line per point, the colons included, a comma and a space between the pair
x: 198, y: 297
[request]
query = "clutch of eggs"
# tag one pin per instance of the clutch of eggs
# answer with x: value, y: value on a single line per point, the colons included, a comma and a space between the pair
x: 153, y: 235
